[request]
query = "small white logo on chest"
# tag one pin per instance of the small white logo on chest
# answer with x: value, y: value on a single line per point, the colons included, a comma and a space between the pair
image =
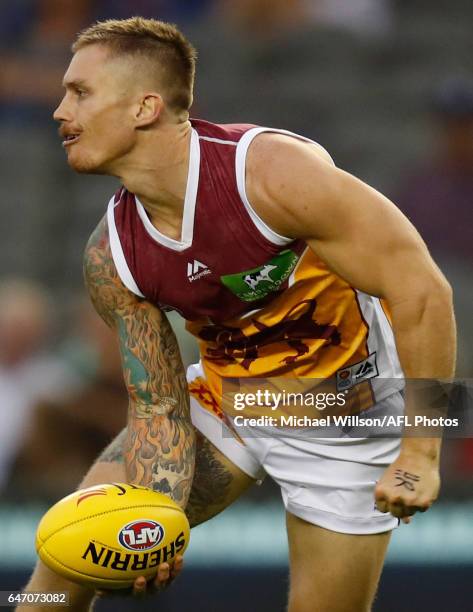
x: 254, y: 279
x: 196, y: 270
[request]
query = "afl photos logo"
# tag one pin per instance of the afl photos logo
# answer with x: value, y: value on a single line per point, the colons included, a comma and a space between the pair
x: 141, y: 535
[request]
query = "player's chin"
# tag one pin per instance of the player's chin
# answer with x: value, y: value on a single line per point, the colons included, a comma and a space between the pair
x: 83, y: 165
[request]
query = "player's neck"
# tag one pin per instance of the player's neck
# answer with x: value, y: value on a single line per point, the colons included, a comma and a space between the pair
x: 156, y: 172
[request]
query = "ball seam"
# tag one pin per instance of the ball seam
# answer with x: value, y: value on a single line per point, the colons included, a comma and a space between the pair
x: 91, y: 516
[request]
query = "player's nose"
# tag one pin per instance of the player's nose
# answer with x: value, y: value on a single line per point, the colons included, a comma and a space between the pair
x: 62, y: 113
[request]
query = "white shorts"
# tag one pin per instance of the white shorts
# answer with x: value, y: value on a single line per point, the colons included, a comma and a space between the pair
x: 326, y: 481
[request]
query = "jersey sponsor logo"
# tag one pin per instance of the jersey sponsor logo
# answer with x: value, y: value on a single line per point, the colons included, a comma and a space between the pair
x: 255, y: 278
x: 196, y: 270
x: 141, y: 535
x: 257, y: 283
x: 352, y: 375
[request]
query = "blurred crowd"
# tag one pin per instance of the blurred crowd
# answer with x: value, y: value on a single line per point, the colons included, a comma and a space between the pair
x: 61, y: 389
x: 385, y: 85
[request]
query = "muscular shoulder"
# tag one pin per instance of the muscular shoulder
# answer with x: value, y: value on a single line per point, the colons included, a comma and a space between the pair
x: 286, y: 176
x: 274, y: 145
x: 108, y: 294
x: 271, y: 154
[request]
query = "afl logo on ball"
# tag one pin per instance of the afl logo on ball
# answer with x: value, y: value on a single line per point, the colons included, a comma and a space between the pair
x: 141, y: 535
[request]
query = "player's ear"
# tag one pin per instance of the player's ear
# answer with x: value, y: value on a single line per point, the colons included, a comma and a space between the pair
x: 149, y: 109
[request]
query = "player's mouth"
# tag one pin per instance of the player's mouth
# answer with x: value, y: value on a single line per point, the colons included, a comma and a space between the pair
x: 70, y: 139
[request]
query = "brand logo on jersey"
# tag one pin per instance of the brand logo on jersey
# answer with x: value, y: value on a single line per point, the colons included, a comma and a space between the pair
x: 255, y: 278
x: 356, y: 373
x: 141, y: 535
x: 255, y: 284
x: 196, y: 270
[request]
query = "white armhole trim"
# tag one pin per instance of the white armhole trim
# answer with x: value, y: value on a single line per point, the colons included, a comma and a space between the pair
x: 240, y: 169
x: 117, y: 252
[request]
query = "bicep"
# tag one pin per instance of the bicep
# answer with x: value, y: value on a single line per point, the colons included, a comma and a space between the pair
x: 359, y: 233
x: 365, y: 239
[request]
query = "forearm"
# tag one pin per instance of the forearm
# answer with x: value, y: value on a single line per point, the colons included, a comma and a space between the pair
x: 424, y: 328
x: 160, y: 450
x: 159, y: 446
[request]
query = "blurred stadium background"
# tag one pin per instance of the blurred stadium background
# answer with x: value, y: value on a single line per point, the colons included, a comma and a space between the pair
x: 387, y: 87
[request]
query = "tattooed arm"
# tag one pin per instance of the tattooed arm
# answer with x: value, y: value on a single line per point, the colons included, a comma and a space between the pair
x: 217, y: 481
x: 159, y: 449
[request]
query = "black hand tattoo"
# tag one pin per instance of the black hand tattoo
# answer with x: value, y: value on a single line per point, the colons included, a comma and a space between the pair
x: 406, y: 479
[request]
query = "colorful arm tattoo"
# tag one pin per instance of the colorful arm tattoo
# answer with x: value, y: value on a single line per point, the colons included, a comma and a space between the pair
x: 159, y: 449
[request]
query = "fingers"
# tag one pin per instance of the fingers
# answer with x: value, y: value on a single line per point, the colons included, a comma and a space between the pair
x: 167, y: 573
x: 162, y: 577
x: 400, y: 508
x: 381, y: 504
x: 139, y: 587
x: 177, y: 567
x: 409, y: 485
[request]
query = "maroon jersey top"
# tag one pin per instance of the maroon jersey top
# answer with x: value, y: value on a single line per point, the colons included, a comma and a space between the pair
x: 228, y: 261
x: 260, y: 304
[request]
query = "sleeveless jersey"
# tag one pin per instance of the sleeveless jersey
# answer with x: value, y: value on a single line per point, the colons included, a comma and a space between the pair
x: 259, y: 304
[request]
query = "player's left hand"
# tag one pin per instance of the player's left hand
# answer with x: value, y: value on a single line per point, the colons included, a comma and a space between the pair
x: 409, y: 485
x: 165, y: 575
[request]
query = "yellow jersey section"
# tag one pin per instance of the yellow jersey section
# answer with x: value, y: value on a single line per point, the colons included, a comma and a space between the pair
x: 315, y: 328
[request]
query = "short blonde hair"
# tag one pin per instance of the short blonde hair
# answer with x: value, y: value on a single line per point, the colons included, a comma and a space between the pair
x: 159, y: 42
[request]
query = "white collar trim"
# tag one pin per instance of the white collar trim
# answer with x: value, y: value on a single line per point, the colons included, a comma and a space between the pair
x: 190, y: 200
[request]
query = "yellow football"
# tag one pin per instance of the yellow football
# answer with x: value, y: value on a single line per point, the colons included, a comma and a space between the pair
x: 108, y: 535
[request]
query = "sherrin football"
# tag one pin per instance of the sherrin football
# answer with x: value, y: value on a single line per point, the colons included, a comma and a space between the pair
x: 108, y: 535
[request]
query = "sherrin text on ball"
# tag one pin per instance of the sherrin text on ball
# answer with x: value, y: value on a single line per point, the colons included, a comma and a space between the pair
x: 108, y: 535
